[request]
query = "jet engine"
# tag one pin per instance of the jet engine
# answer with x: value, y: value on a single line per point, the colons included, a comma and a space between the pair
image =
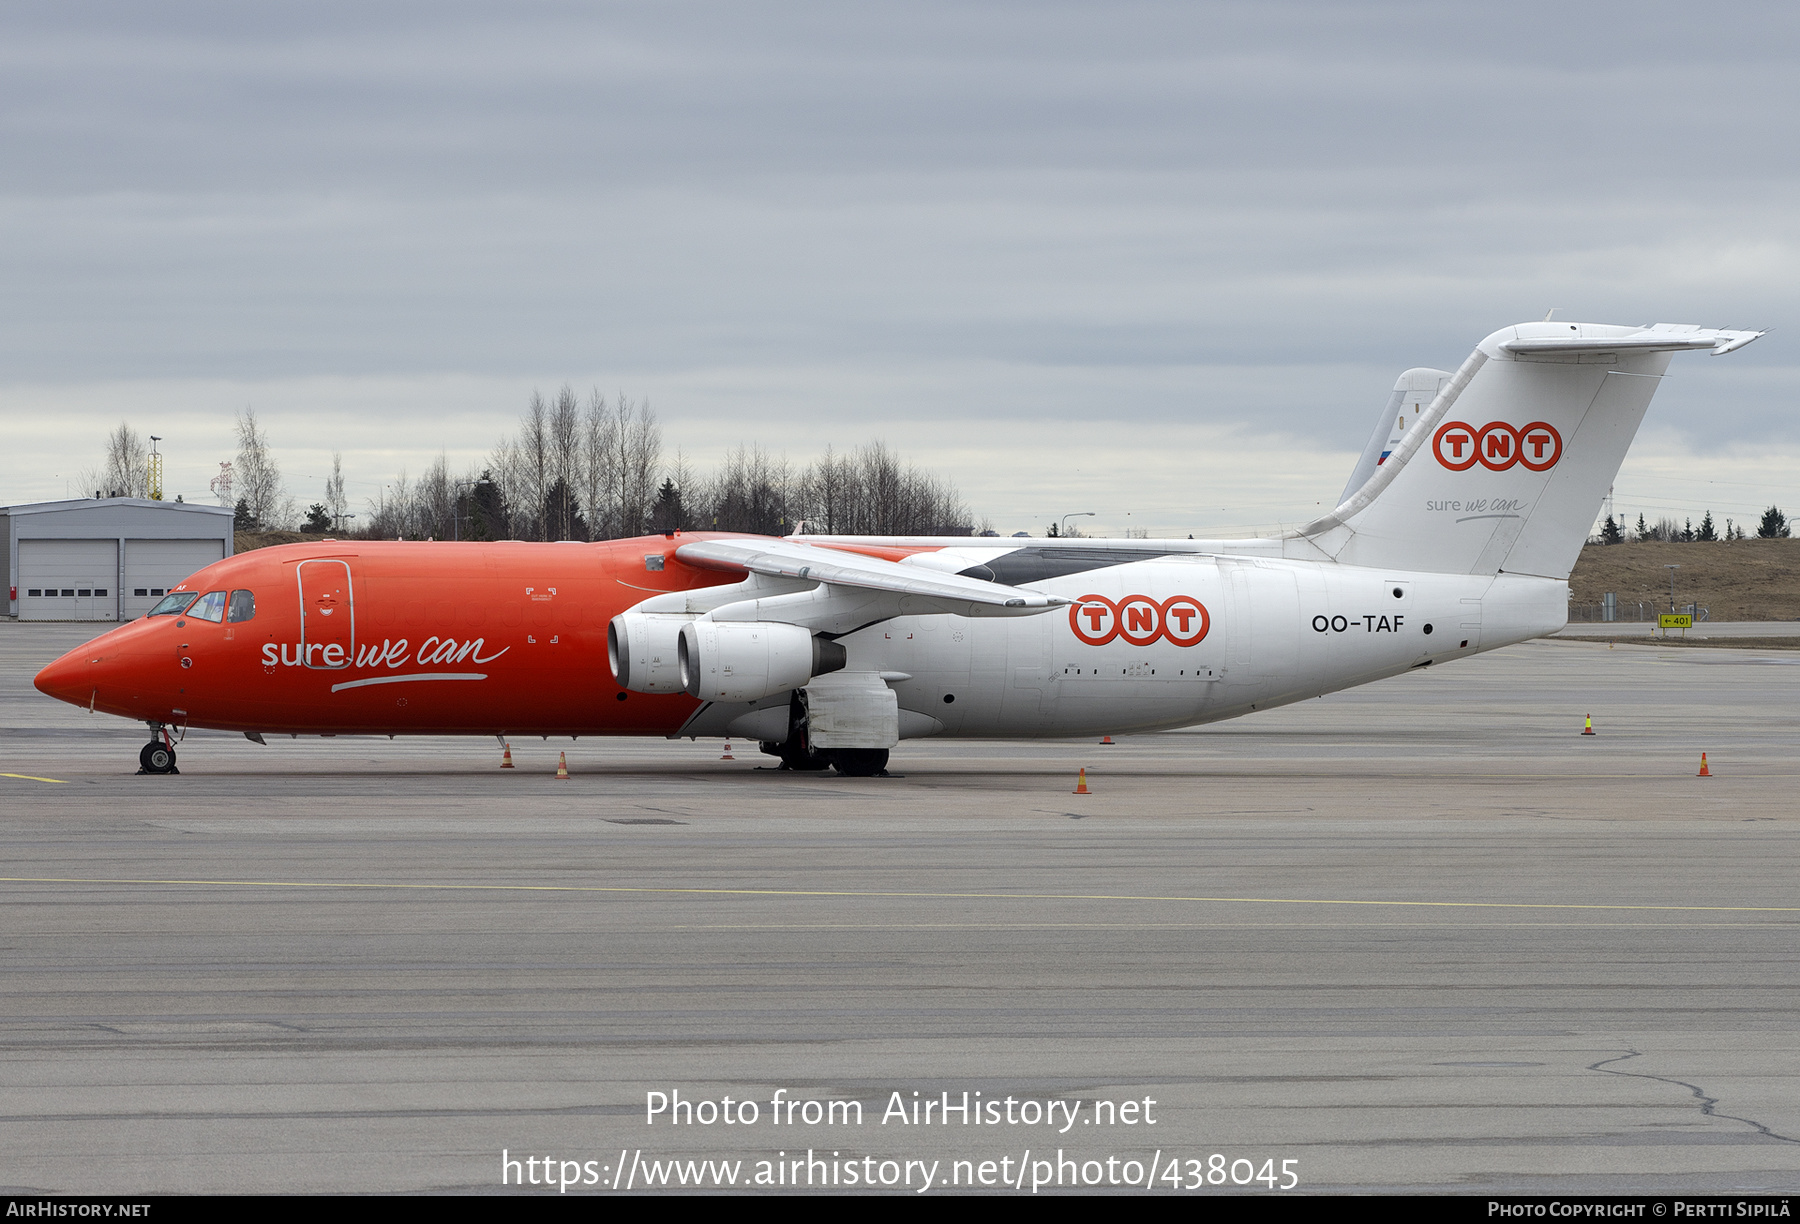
x: 749, y: 660
x: 642, y: 649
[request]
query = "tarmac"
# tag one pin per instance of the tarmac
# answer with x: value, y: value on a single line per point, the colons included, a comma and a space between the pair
x: 1701, y: 629
x: 1419, y: 936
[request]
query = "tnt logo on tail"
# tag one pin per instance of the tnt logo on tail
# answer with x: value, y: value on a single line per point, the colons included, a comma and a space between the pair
x: 1497, y: 446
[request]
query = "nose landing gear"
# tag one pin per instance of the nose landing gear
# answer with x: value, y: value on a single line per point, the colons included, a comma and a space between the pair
x: 158, y: 756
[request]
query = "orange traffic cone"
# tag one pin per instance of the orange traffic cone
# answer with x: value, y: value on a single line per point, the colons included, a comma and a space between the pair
x: 1704, y: 771
x: 506, y: 758
x: 1106, y: 739
x: 728, y: 756
x: 1081, y: 783
x: 562, y: 766
x: 1590, y: 725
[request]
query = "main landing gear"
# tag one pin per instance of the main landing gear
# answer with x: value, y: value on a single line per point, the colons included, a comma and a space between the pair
x: 860, y: 762
x: 798, y: 754
x: 158, y: 756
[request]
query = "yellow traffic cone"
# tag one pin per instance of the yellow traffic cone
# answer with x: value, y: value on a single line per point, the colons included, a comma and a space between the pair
x: 562, y: 766
x: 1704, y: 771
x: 1590, y: 725
x: 1081, y: 783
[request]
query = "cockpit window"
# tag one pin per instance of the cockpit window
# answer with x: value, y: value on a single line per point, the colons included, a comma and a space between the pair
x: 173, y: 604
x: 243, y: 606
x: 209, y: 607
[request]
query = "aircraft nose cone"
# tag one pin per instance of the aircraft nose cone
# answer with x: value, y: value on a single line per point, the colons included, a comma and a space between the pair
x: 71, y: 678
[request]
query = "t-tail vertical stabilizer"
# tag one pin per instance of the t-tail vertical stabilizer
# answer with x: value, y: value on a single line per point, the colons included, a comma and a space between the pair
x: 1505, y: 471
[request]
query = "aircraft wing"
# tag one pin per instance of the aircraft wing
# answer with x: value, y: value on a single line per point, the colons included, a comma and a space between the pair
x: 855, y: 588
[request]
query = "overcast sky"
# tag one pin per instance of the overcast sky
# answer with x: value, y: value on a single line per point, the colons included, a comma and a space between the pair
x: 1157, y: 261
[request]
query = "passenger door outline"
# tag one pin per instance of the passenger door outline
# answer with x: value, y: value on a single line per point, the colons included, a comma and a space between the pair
x: 326, y: 596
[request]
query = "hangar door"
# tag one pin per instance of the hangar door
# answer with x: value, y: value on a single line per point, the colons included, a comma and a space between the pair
x: 68, y: 580
x: 153, y: 567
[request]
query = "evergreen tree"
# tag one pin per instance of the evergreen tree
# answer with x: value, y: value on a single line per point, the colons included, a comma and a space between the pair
x: 242, y: 519
x: 1643, y: 528
x: 318, y: 519
x: 485, y: 511
x: 1610, y: 534
x: 1706, y: 533
x: 562, y: 512
x: 1774, y: 525
x: 1687, y: 532
x: 667, y: 514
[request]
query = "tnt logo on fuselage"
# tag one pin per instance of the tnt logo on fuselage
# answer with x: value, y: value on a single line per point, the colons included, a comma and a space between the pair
x: 1497, y: 446
x: 1181, y: 620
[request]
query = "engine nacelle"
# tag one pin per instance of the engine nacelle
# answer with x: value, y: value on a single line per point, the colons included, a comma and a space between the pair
x: 750, y: 660
x: 643, y: 649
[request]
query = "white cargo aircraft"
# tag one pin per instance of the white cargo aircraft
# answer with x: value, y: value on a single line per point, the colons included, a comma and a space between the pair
x: 1455, y: 535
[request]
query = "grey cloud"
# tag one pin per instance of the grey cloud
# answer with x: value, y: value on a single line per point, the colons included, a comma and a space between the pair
x: 260, y: 192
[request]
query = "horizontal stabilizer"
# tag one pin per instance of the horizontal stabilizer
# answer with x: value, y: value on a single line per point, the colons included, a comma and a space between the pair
x: 1659, y: 338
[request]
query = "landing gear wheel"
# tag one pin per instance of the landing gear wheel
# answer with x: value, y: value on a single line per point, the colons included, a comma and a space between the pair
x: 157, y: 758
x: 859, y: 762
x: 797, y: 754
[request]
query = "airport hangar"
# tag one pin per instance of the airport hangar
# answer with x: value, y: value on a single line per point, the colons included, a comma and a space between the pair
x: 107, y: 558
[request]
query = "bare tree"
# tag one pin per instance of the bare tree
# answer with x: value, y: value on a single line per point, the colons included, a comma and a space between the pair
x: 640, y: 461
x: 563, y: 460
x: 531, y: 469
x: 873, y: 493
x: 335, y: 501
x: 434, y: 502
x: 393, y: 515
x: 600, y: 466
x: 257, y: 476
x: 126, y: 470
x: 752, y: 492
x: 826, y: 484
x: 594, y: 470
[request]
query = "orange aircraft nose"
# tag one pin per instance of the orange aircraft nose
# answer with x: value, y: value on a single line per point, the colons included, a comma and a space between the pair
x: 71, y: 678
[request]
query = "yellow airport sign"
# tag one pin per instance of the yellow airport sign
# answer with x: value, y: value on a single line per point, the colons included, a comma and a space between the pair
x: 1669, y: 620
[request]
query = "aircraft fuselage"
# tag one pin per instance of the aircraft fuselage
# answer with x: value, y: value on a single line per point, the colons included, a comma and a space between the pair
x: 511, y: 639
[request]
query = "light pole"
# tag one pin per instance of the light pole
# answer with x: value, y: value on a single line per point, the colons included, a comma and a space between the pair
x: 1671, y: 569
x: 1074, y: 514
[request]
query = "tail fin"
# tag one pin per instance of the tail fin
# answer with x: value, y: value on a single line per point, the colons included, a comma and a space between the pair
x: 1505, y: 471
x: 1413, y: 393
